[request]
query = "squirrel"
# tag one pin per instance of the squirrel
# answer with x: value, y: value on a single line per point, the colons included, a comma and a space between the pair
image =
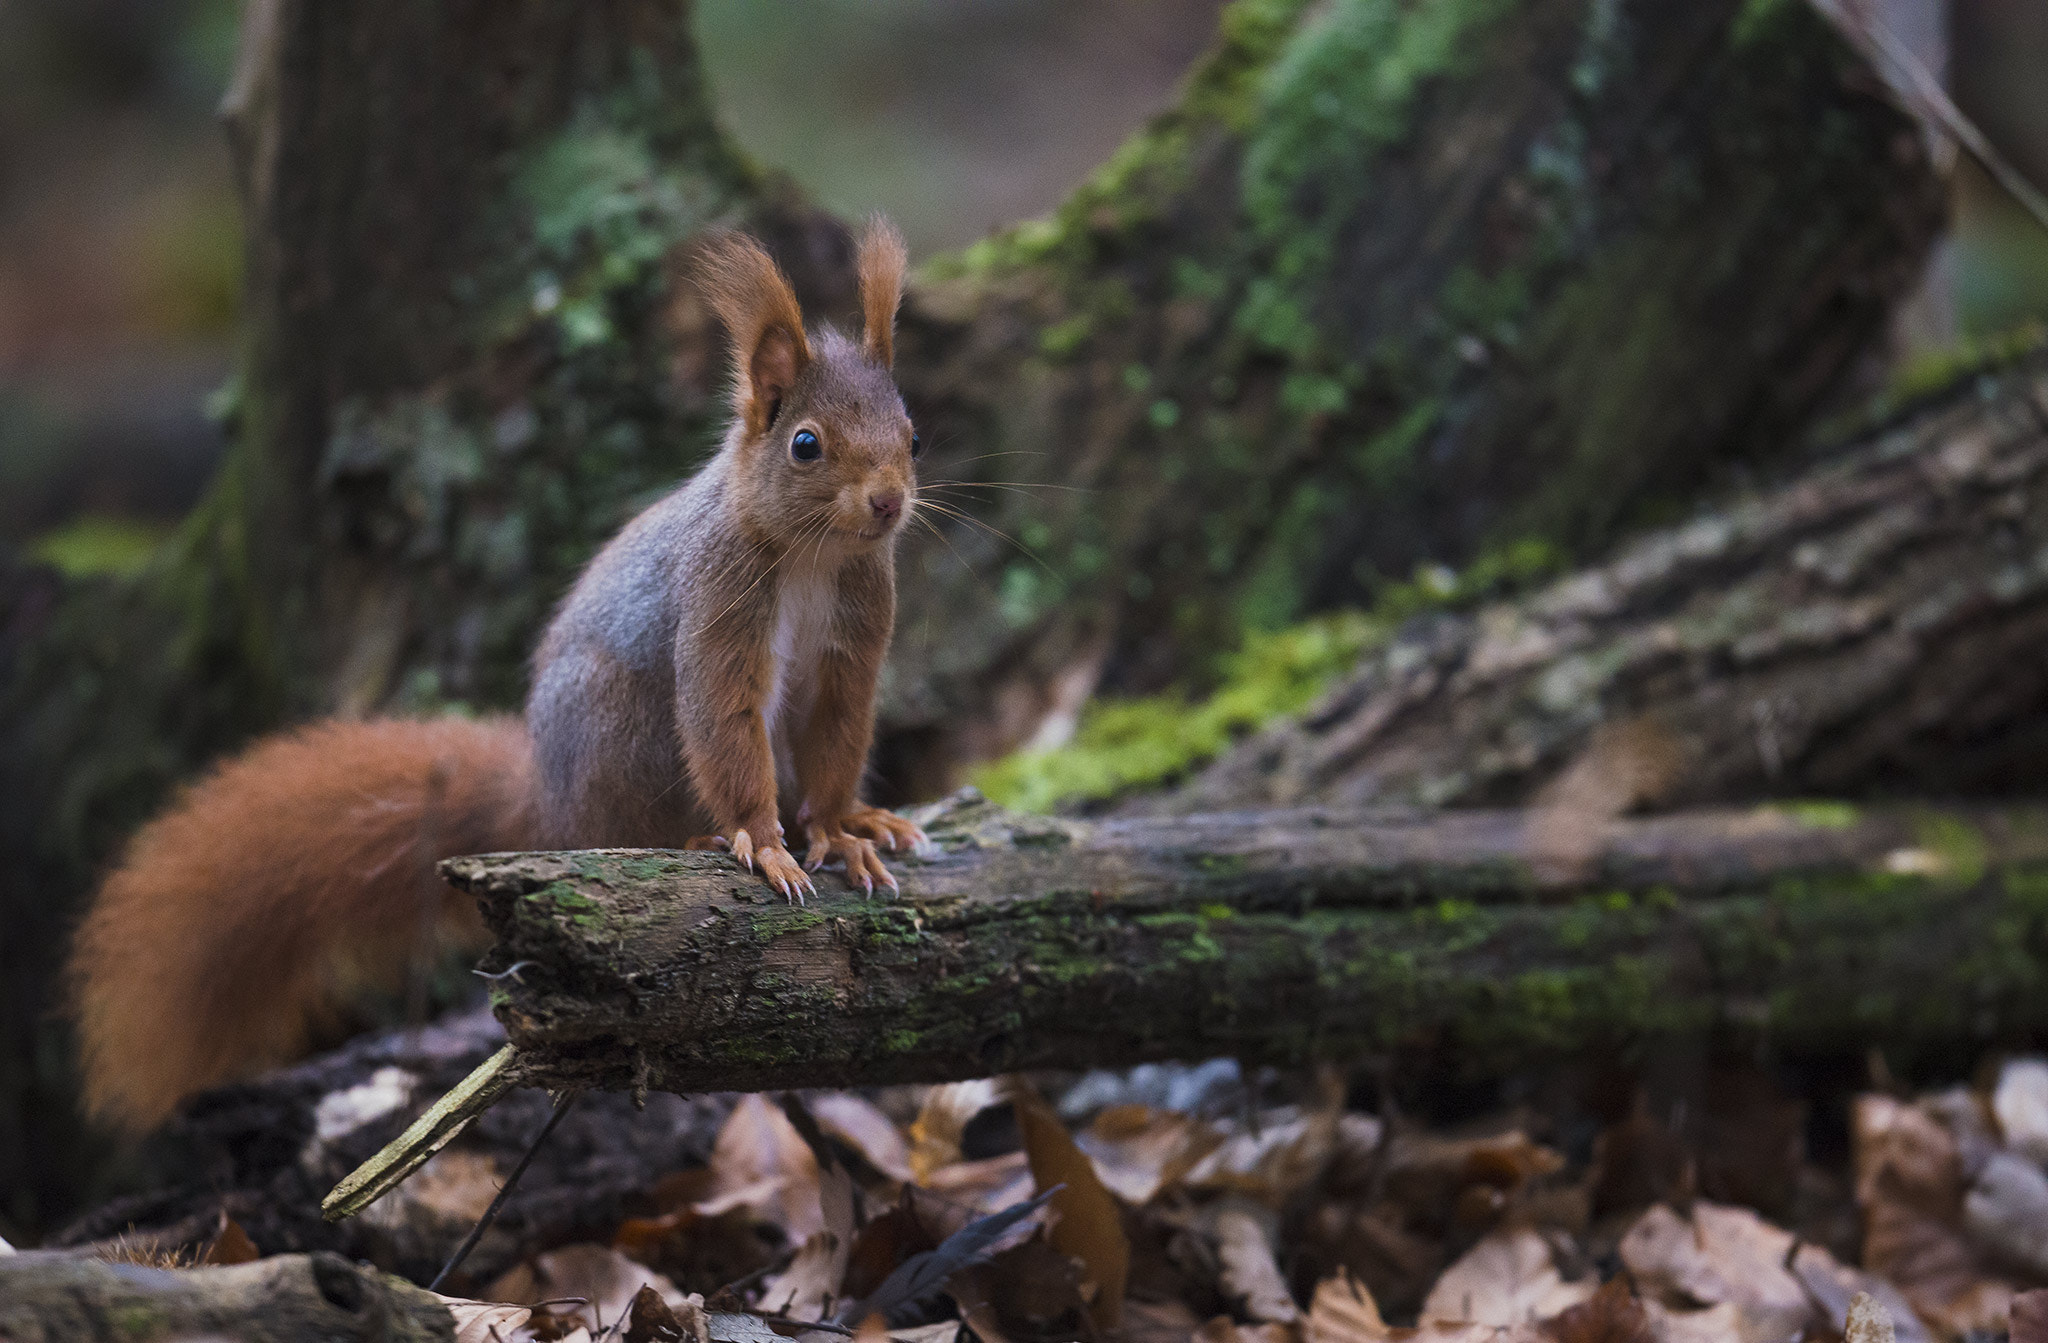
x: 709, y: 680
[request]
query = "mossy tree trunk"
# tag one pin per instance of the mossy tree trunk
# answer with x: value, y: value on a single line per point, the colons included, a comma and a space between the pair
x: 1393, y: 282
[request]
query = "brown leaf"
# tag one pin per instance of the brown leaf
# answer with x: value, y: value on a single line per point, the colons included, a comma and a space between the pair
x: 882, y: 1244
x: 485, y: 1321
x: 654, y: 1321
x: 231, y: 1245
x: 936, y: 1132
x: 1909, y: 1186
x: 983, y: 1186
x: 1610, y: 1315
x: 1837, y: 1288
x: 1223, y: 1329
x: 760, y: 1159
x: 863, y: 1127
x: 2029, y: 1317
x: 1138, y: 1151
x: 1342, y: 1311
x: 805, y: 1289
x: 1276, y: 1159
x: 1089, y: 1227
x: 1509, y: 1278
x: 1721, y: 1254
x: 1158, y: 1322
x: 604, y: 1279
x: 1637, y: 1162
x: 1250, y: 1275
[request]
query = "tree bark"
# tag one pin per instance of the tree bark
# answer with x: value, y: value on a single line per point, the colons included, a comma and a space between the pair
x: 1872, y: 625
x: 48, y: 1297
x: 1490, y: 937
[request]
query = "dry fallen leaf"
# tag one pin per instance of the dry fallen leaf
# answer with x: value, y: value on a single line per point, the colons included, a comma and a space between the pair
x: 2006, y: 1210
x: 935, y: 1134
x: 231, y: 1245
x: 760, y: 1159
x: 1139, y: 1151
x: 1715, y: 1324
x: 1342, y: 1311
x: 605, y: 1280
x: 1509, y: 1278
x: 804, y: 1290
x: 1721, y: 1254
x: 863, y: 1127
x: 1250, y: 1275
x: 1610, y: 1315
x: 2029, y: 1317
x: 1090, y: 1228
x: 485, y: 1321
x: 2020, y: 1103
x: 982, y: 1186
x: 1273, y: 1161
x: 1909, y: 1186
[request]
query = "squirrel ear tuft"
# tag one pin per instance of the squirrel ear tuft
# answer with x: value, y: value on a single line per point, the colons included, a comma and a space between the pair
x: 882, y: 259
x: 753, y: 298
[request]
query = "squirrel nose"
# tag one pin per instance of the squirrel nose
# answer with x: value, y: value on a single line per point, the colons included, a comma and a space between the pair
x: 887, y: 504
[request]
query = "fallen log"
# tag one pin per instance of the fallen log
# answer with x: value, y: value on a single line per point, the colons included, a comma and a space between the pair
x: 1873, y: 623
x: 47, y: 1297
x: 1276, y: 937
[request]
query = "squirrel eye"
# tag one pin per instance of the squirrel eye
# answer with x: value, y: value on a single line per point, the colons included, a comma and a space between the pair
x: 805, y: 446
x: 916, y: 447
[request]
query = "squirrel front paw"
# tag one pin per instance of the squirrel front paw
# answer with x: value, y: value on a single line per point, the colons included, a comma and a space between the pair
x: 777, y: 865
x: 884, y: 827
x: 863, y: 865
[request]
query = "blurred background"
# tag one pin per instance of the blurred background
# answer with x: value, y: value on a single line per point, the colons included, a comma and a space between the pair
x: 119, y: 244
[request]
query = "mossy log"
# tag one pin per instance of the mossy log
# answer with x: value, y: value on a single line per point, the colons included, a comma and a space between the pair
x: 50, y: 1297
x: 1282, y: 937
x: 1874, y: 623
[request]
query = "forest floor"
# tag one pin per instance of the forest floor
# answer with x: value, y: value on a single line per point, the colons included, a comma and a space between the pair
x: 1197, y: 1202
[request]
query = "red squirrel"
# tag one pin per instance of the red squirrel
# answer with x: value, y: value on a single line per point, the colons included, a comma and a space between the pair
x: 709, y: 680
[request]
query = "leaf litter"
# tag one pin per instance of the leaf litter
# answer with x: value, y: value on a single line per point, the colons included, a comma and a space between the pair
x: 1170, y: 1210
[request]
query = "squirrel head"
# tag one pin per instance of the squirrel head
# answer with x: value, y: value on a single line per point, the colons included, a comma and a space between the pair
x: 823, y: 450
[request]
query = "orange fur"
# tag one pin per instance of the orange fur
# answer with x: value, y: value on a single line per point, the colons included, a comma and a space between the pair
x: 752, y: 297
x: 881, y: 262
x: 291, y: 877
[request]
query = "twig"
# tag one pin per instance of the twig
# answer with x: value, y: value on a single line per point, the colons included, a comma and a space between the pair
x: 1929, y: 100
x: 483, y: 1224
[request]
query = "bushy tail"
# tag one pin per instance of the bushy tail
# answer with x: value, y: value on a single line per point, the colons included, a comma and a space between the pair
x: 292, y: 878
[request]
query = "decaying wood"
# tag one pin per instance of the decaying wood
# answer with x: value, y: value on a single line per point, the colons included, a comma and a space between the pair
x: 1275, y: 937
x: 51, y: 1297
x: 1877, y: 623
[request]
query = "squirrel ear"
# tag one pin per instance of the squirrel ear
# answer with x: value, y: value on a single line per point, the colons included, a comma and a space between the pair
x: 882, y: 258
x: 752, y: 297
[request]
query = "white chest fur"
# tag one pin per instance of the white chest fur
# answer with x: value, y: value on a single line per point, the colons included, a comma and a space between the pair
x: 803, y: 628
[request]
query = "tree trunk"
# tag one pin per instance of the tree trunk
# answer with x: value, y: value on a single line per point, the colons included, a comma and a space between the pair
x: 1490, y: 938
x: 60, y: 1298
x: 1393, y: 282
x: 1876, y: 624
